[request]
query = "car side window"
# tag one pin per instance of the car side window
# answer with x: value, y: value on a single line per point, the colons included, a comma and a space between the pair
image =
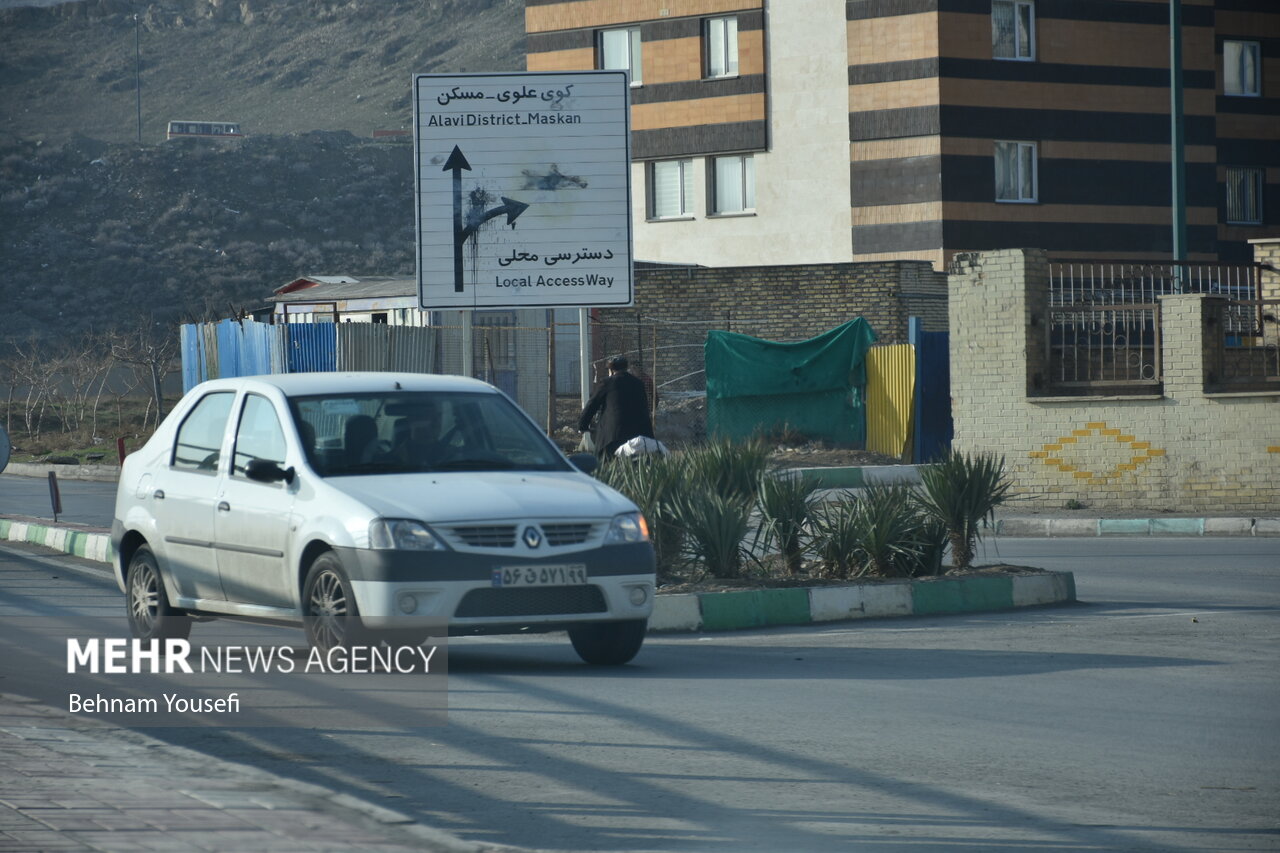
x: 258, y: 435
x: 199, y: 439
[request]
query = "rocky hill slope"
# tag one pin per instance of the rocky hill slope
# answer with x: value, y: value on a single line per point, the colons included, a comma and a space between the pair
x: 97, y: 230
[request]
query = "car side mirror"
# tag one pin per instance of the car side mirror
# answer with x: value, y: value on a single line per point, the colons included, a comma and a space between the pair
x: 584, y: 462
x: 266, y: 471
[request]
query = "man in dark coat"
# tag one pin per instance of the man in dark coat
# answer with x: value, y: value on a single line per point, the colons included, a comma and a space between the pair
x: 623, y: 407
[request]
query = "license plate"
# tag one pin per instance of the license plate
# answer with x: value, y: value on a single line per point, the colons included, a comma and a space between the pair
x: 563, y: 575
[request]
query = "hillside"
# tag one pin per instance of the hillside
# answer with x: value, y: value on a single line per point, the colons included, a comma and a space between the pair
x: 96, y: 230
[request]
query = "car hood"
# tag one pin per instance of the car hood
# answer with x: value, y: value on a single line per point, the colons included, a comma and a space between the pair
x: 484, y: 495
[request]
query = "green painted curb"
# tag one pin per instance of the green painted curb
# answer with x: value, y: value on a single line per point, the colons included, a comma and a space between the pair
x: 726, y: 611
x: 1124, y: 526
x: 961, y: 595
x: 1178, y: 526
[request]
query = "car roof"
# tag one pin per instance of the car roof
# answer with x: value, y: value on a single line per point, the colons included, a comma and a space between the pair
x: 306, y: 384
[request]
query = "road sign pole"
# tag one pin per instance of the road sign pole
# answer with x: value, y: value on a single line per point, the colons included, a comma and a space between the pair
x: 584, y: 352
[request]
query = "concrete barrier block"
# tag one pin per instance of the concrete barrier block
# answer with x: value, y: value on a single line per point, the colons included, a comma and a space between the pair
x: 1028, y: 527
x: 1177, y: 526
x: 1228, y: 526
x: 1124, y: 527
x: 1266, y: 527
x: 675, y: 613
x: 1073, y: 527
x: 1049, y: 588
x: 863, y: 601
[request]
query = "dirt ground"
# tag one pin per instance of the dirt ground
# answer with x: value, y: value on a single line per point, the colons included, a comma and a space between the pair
x: 681, y: 423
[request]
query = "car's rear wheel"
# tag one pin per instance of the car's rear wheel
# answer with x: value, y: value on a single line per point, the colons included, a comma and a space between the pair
x: 608, y: 643
x: 330, y: 615
x: 150, y: 615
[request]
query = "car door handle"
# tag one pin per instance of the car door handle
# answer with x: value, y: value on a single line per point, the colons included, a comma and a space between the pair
x: 223, y: 506
x: 158, y: 494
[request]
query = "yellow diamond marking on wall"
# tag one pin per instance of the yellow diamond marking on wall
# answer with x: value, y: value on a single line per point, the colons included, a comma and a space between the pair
x: 1051, y: 453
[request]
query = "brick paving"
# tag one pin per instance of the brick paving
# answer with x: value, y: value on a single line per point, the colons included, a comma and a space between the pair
x: 81, y: 785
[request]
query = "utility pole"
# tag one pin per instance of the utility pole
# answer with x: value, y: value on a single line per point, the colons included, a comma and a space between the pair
x: 1176, y: 141
x: 137, y: 70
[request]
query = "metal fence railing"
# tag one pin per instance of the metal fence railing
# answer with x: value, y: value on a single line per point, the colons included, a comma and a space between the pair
x: 1104, y: 319
x: 1250, y: 356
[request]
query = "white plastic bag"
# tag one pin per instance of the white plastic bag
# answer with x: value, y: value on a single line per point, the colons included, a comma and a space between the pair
x: 641, y: 445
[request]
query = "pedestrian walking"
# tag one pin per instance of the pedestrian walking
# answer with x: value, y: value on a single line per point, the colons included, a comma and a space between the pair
x: 623, y: 409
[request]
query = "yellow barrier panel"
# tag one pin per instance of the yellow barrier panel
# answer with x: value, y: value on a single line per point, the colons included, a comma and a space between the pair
x: 891, y: 385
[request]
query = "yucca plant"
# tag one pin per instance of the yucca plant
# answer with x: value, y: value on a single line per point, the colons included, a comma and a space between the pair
x: 835, y: 540
x: 785, y: 505
x: 931, y: 538
x: 728, y: 468
x: 653, y: 484
x: 961, y: 492
x: 715, y: 528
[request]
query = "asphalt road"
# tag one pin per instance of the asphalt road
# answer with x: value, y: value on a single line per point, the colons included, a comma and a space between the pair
x: 84, y: 502
x: 1145, y: 718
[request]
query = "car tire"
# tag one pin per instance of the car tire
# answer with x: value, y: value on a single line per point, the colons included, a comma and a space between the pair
x: 147, y: 603
x: 608, y: 643
x: 329, y: 612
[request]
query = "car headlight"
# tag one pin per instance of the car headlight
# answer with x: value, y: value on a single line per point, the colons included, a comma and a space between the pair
x: 628, y: 527
x: 400, y: 534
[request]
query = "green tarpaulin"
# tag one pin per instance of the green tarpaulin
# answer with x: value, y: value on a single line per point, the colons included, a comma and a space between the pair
x: 814, y: 387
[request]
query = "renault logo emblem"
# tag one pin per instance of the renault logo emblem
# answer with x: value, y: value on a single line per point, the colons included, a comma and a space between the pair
x: 532, y: 537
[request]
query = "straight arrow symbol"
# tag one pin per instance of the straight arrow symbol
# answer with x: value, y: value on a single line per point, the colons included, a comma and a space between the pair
x: 456, y: 163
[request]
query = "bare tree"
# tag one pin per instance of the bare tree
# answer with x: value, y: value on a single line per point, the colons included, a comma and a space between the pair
x: 150, y: 348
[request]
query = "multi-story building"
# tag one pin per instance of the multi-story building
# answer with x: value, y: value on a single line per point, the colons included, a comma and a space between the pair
x: 801, y: 131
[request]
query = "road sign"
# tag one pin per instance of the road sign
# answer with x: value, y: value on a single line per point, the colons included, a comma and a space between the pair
x: 523, y: 189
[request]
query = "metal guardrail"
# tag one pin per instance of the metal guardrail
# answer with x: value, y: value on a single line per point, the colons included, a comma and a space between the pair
x: 1104, y: 319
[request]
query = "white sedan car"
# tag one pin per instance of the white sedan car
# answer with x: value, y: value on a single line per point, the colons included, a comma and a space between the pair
x: 371, y: 507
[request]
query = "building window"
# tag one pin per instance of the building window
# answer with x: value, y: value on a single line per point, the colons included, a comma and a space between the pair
x: 670, y: 189
x: 1241, y: 68
x: 1016, y: 171
x: 1013, y: 29
x: 734, y: 184
x: 1244, y: 195
x: 620, y: 50
x: 721, y: 36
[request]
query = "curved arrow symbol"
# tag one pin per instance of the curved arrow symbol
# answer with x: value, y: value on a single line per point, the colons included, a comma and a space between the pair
x: 463, y: 231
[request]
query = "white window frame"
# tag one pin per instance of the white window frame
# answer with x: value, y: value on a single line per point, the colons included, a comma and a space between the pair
x: 631, y: 46
x: 1025, y: 158
x: 1248, y: 60
x: 683, y: 186
x: 1024, y: 30
x: 746, y: 187
x: 1245, y: 186
x: 721, y: 33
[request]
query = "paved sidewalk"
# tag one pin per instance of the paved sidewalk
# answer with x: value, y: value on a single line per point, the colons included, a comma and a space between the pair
x: 80, y: 785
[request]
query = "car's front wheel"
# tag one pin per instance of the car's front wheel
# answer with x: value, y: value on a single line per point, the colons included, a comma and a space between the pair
x: 150, y: 615
x: 329, y: 613
x: 608, y: 643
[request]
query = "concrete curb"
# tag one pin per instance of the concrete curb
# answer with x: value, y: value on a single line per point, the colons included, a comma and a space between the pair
x: 761, y: 608
x: 729, y: 611
x: 1035, y: 527
x: 98, y: 473
x: 78, y: 543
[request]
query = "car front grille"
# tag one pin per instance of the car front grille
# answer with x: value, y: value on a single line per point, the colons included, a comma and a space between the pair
x: 484, y: 536
x: 536, y: 601
x: 568, y: 534
x: 557, y: 534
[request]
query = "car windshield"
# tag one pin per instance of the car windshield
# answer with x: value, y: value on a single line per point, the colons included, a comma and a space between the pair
x: 415, y: 431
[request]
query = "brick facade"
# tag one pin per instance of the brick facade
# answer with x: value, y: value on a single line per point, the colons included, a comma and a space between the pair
x: 1182, y: 450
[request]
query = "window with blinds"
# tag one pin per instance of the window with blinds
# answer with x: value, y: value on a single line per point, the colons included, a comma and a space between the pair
x: 670, y: 189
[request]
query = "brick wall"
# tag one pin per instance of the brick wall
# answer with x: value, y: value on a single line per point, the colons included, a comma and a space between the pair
x: 794, y: 302
x: 1181, y: 450
x: 676, y: 307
